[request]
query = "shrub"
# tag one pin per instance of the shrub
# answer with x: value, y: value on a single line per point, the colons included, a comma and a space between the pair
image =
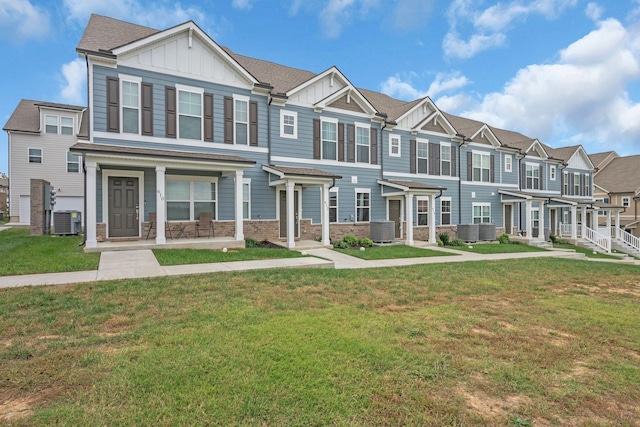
x: 444, y: 238
x: 366, y: 242
x: 251, y: 243
x: 340, y: 245
x: 504, y: 239
x: 457, y: 242
x: 350, y: 240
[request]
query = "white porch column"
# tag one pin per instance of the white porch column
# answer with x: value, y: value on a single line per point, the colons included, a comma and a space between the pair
x: 574, y: 222
x: 541, y: 221
x: 238, y: 207
x: 611, y: 232
x: 291, y: 219
x: 91, y: 239
x: 594, y: 219
x: 161, y: 210
x: 617, y: 219
x: 527, y: 219
x: 432, y: 219
x: 409, y: 219
x: 324, y: 200
x: 584, y: 222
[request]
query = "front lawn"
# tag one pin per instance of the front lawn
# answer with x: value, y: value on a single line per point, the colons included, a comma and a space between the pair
x: 505, y: 343
x: 392, y: 251
x: 588, y: 253
x: 495, y: 248
x: 21, y: 253
x: 201, y: 256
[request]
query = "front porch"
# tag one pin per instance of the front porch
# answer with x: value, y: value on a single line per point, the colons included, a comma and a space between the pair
x: 186, y: 243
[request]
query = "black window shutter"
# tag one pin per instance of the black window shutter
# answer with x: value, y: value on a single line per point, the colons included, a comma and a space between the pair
x: 147, y: 109
x: 435, y: 170
x: 253, y: 123
x: 561, y: 182
x: 208, y: 116
x: 170, y: 111
x: 432, y: 159
x: 492, y: 168
x: 541, y: 180
x: 572, y: 188
x: 453, y: 161
x: 469, y: 166
x: 316, y: 138
x: 582, y: 185
x: 412, y: 156
x: 374, y: 146
x: 228, y: 120
x: 523, y: 176
x: 341, y: 142
x: 351, y: 143
x: 113, y: 104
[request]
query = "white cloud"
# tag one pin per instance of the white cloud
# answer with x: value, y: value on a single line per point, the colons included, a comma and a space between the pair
x: 401, y: 87
x: 411, y: 14
x: 20, y: 20
x: 75, y: 76
x: 489, y: 26
x: 395, y: 87
x: 334, y: 15
x: 242, y: 4
x: 584, y: 94
x: 446, y: 83
x: 594, y: 11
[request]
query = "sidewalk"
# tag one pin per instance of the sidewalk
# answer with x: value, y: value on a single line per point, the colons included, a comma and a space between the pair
x: 142, y: 263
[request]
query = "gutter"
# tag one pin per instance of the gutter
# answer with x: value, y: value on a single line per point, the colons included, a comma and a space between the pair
x: 269, y: 129
x: 384, y: 125
x: 84, y: 155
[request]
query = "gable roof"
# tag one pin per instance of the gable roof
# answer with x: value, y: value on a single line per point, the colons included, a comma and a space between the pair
x: 621, y: 175
x: 601, y: 160
x: 26, y: 116
x: 104, y: 34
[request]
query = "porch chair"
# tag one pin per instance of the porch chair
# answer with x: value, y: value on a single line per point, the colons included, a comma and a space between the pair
x: 204, y: 222
x: 153, y: 223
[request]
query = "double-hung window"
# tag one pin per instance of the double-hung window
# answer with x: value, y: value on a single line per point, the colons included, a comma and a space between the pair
x: 481, y: 213
x: 241, y: 120
x: 422, y: 157
x: 587, y: 185
x: 35, y: 155
x: 66, y: 125
x: 189, y: 113
x: 329, y: 140
x: 445, y: 211
x: 51, y: 124
x: 246, y: 198
x: 58, y: 124
x: 187, y: 198
x: 131, y: 106
x: 362, y: 144
x: 576, y: 184
x: 565, y: 184
x: 481, y: 167
x: 445, y: 159
x: 394, y: 145
x: 423, y: 210
x: 533, y: 176
x: 626, y: 201
x: 288, y: 124
x: 363, y: 205
x: 552, y: 173
x: 508, y: 163
x: 535, y: 218
x: 333, y: 205
x: 73, y: 162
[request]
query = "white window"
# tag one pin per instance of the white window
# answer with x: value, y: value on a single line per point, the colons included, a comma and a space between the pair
x: 587, y: 185
x: 57, y: 124
x: 35, y: 155
x: 394, y: 145
x: 246, y: 198
x: 535, y: 218
x: 552, y: 173
x: 422, y: 156
x: 189, y: 113
x: 188, y: 196
x: 363, y: 204
x: 533, y: 176
x: 445, y: 210
x: 333, y: 205
x: 241, y: 120
x: 288, y: 124
x: 329, y: 140
x: 576, y: 184
x: 481, y: 167
x: 73, y: 162
x: 131, y: 106
x: 362, y: 144
x: 445, y: 159
x: 481, y: 213
x: 508, y: 163
x: 565, y: 189
x: 423, y: 210
x: 626, y: 201
x: 51, y: 124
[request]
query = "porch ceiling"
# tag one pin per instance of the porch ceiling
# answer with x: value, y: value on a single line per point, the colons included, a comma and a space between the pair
x: 299, y: 175
x: 411, y: 187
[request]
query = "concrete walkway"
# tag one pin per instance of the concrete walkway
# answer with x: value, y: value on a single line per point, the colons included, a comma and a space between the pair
x: 142, y: 263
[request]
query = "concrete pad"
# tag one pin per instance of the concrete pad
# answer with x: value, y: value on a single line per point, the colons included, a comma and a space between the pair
x: 128, y: 264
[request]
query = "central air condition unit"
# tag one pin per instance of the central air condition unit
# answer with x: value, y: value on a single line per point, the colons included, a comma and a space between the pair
x: 66, y: 222
x: 382, y: 231
x: 468, y: 232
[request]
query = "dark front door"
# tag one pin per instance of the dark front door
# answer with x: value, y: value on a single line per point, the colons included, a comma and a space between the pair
x: 123, y: 207
x: 283, y: 214
x: 395, y: 215
x: 508, y: 227
x: 553, y: 221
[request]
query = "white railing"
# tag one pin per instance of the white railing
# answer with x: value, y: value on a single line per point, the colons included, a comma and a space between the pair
x: 565, y: 230
x: 597, y: 239
x: 627, y: 238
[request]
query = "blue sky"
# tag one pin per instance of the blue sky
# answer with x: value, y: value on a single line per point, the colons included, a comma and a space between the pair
x: 563, y: 71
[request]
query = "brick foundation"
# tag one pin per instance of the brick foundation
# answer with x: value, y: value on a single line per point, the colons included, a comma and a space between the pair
x: 37, y: 226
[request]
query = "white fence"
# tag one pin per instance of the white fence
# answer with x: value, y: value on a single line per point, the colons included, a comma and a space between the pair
x: 597, y: 239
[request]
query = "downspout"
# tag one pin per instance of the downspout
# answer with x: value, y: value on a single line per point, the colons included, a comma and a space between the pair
x: 84, y: 155
x: 384, y: 125
x: 460, y: 181
x: 269, y: 130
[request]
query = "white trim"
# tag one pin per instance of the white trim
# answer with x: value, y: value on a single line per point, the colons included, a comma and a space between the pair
x: 355, y: 204
x: 481, y: 153
x: 106, y: 173
x: 122, y: 78
x: 553, y: 172
x: 446, y: 144
x: 335, y: 122
x: 421, y: 175
x: 29, y: 156
x: 283, y: 188
x: 245, y: 181
x: 247, y: 101
x: 335, y: 190
x: 324, y: 162
x: 192, y: 200
x: 422, y: 141
x: 622, y: 200
x: 417, y: 218
x: 508, y: 165
x: 196, y: 90
x: 77, y: 162
x: 367, y: 129
x: 480, y: 204
x: 446, y: 199
x: 391, y: 138
x: 293, y: 114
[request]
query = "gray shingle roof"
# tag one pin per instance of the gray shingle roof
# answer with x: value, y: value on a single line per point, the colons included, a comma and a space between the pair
x: 288, y: 170
x: 598, y: 158
x: 412, y: 184
x: 621, y: 175
x: 104, y: 33
x: 26, y: 116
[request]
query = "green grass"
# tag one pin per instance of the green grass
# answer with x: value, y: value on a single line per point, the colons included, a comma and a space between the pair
x: 392, y: 251
x: 200, y: 256
x: 494, y: 248
x: 522, y: 342
x: 588, y: 253
x: 21, y: 253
